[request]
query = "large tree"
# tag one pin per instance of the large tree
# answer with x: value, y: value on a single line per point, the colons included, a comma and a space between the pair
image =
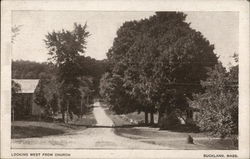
x: 65, y: 48
x: 161, y: 61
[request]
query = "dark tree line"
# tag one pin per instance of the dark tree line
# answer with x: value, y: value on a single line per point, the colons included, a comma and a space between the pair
x: 94, y: 68
x: 24, y: 69
x: 28, y: 69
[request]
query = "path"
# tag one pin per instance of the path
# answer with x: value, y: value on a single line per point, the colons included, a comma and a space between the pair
x: 101, y: 118
x: 101, y: 137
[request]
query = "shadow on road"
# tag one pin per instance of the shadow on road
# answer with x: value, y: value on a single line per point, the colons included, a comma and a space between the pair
x: 181, y: 129
x: 122, y: 126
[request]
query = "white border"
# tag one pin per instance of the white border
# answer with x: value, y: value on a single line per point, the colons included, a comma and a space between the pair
x: 130, y: 5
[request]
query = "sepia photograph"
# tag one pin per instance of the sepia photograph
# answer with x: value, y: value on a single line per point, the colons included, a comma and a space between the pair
x: 124, y: 80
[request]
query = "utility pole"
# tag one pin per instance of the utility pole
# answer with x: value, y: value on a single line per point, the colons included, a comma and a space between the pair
x: 81, y: 107
x: 67, y: 119
x: 67, y: 113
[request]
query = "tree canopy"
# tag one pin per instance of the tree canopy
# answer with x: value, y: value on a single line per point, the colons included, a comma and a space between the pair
x: 65, y: 48
x: 158, y: 59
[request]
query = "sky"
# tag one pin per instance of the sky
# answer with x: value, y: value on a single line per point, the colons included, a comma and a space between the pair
x: 220, y: 28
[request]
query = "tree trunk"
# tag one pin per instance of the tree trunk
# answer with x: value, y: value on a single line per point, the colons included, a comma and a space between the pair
x: 63, y: 116
x: 146, y: 117
x: 40, y: 116
x: 151, y: 118
x: 54, y: 116
x: 67, y: 112
x: 81, y: 108
x: 159, y: 118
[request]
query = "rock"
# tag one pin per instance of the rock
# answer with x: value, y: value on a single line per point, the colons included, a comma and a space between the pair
x: 190, y: 140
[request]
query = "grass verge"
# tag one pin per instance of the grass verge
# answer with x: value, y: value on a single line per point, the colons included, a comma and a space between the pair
x: 117, y: 119
x: 29, y: 129
x: 176, y: 140
x: 172, y: 139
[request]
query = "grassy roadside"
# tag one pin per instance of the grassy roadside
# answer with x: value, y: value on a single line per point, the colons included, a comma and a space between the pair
x: 117, y: 119
x: 173, y: 139
x: 86, y: 120
x: 29, y: 129
x: 176, y: 140
x: 131, y: 119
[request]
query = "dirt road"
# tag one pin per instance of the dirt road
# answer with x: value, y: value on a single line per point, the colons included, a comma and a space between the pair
x: 101, y: 136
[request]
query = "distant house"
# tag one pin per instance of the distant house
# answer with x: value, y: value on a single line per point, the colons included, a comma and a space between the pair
x: 192, y: 115
x: 26, y: 104
x: 193, y: 112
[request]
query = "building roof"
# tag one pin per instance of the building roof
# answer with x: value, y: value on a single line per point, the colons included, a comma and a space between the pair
x: 27, y: 85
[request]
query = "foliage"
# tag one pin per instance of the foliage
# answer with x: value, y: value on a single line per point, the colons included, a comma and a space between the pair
x: 15, y: 31
x: 219, y: 104
x: 65, y: 49
x: 15, y: 87
x: 40, y: 95
x: 33, y: 70
x: 159, y: 61
x: 91, y: 67
x: 54, y: 103
x: 29, y: 69
x: 65, y: 46
x: 15, y: 99
x: 112, y: 91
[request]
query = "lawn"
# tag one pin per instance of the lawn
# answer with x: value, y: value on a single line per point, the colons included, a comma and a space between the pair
x: 117, y: 119
x: 128, y: 119
x: 176, y: 140
x: 173, y: 139
x: 140, y: 117
x: 86, y: 120
x: 28, y: 129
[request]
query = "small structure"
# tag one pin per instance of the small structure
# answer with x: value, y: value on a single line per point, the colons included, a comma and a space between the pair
x: 192, y: 114
x: 26, y: 103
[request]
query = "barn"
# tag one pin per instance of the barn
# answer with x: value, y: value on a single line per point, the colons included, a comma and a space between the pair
x: 26, y: 106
